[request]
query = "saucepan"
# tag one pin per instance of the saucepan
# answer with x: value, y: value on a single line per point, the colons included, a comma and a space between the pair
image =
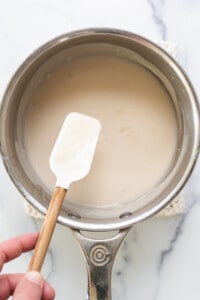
x: 100, y: 232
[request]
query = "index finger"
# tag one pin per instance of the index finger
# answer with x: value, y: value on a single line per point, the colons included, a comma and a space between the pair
x: 14, y: 247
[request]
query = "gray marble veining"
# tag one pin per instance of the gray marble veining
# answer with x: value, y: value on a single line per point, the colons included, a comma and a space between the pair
x: 157, y: 7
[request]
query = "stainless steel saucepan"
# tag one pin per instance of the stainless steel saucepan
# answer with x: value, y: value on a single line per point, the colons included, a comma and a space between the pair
x: 100, y: 235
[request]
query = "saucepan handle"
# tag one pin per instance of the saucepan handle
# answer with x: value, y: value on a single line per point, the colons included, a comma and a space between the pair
x: 99, y: 255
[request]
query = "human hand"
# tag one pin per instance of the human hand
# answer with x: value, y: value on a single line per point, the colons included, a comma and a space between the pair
x: 29, y: 286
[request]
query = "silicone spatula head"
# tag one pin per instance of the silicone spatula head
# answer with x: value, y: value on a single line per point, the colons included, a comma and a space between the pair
x: 74, y: 148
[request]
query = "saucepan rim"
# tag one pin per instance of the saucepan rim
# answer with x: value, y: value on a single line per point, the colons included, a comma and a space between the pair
x: 128, y: 220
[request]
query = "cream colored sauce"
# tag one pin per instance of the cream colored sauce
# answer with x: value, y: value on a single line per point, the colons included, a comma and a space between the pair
x: 139, y: 132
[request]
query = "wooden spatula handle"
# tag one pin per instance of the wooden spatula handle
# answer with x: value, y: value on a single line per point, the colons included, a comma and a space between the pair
x: 47, y: 229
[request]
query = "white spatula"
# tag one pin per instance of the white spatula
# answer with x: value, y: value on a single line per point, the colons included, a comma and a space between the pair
x: 70, y: 161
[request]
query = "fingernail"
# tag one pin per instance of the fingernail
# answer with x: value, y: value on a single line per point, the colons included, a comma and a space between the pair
x: 35, y: 277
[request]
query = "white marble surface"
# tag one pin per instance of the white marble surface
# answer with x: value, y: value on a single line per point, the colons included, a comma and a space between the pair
x: 160, y: 258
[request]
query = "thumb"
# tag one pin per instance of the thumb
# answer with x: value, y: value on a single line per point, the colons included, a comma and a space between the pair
x: 30, y: 287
